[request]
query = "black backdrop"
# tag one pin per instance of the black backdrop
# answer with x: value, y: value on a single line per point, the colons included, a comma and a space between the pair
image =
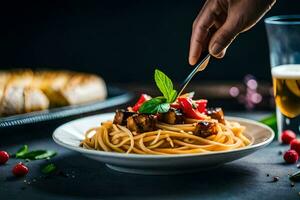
x: 123, y: 40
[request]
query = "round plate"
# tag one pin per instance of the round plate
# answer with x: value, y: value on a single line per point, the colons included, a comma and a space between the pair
x: 70, y: 134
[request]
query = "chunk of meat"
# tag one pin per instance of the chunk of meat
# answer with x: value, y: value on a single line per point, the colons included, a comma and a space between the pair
x: 141, y: 123
x: 173, y: 116
x: 121, y: 117
x: 216, y: 113
x: 206, y: 128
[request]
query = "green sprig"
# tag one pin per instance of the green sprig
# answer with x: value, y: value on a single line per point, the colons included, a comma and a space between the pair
x: 160, y: 104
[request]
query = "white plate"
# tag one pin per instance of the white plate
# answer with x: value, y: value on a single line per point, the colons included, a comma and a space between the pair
x: 70, y: 134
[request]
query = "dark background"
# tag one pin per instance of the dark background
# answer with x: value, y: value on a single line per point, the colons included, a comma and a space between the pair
x: 123, y: 40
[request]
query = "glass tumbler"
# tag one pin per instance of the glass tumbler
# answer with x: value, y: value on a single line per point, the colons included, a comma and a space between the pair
x: 283, y: 34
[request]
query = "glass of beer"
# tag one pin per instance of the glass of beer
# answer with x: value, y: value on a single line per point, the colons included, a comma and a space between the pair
x: 284, y: 44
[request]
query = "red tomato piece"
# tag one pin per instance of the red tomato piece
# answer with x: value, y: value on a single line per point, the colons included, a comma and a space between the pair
x: 143, y: 98
x: 186, y: 105
x: 201, y: 105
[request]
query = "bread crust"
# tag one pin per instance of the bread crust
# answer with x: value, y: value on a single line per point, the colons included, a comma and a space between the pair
x: 23, y: 91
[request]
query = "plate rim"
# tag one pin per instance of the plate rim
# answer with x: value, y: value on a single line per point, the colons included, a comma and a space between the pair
x: 150, y: 156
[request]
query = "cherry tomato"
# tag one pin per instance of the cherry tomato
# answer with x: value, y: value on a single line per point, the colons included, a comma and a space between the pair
x: 295, y: 145
x: 20, y: 170
x: 291, y: 156
x: 4, y: 156
x: 287, y: 136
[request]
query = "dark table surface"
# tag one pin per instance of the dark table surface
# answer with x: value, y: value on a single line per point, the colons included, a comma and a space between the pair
x: 81, y: 178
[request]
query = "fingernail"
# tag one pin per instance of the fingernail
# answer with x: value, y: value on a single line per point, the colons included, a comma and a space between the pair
x: 192, y: 60
x: 216, y: 49
x: 221, y: 54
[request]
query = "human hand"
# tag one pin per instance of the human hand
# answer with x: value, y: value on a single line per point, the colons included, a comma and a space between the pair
x: 220, y: 21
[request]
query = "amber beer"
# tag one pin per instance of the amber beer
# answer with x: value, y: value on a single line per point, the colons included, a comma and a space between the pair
x: 286, y: 82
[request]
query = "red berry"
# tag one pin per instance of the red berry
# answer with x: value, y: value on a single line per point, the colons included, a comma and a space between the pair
x: 295, y: 145
x: 291, y: 156
x: 20, y: 170
x: 287, y: 136
x: 4, y: 156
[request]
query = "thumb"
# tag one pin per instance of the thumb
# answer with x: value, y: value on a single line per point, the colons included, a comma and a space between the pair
x: 222, y: 38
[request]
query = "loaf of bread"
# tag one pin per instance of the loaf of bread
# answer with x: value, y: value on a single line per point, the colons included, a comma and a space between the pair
x: 23, y: 91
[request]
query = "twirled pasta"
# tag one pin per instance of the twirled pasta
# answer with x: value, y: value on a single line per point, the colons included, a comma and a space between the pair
x: 167, y: 139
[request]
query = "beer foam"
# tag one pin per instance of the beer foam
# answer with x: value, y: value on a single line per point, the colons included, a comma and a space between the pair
x: 291, y: 71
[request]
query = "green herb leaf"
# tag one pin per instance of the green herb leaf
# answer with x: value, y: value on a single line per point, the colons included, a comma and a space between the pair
x: 271, y: 122
x: 23, y: 150
x: 47, y: 154
x: 155, y: 105
x: 295, y: 177
x: 173, y: 96
x: 163, y: 108
x: 32, y: 154
x: 38, y: 155
x: 165, y: 85
x: 48, y: 168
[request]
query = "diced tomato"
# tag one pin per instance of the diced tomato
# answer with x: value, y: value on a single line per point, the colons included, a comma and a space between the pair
x: 201, y: 105
x: 142, y: 99
x: 186, y: 105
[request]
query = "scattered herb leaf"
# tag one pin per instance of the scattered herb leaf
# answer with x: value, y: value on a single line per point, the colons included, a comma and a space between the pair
x: 23, y: 150
x: 38, y: 155
x: 48, y: 169
x: 46, y: 155
x: 32, y: 154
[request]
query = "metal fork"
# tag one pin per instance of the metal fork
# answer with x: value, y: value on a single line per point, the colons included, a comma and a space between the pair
x: 199, y: 67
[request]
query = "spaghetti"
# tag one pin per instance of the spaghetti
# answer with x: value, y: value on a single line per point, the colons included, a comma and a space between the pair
x: 167, y: 139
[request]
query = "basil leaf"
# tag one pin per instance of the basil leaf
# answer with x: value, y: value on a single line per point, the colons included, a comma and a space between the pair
x: 163, y: 108
x: 32, y: 154
x: 47, y: 154
x: 165, y: 85
x: 153, y: 106
x: 173, y: 96
x: 48, y: 168
x: 23, y: 150
x: 38, y: 155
